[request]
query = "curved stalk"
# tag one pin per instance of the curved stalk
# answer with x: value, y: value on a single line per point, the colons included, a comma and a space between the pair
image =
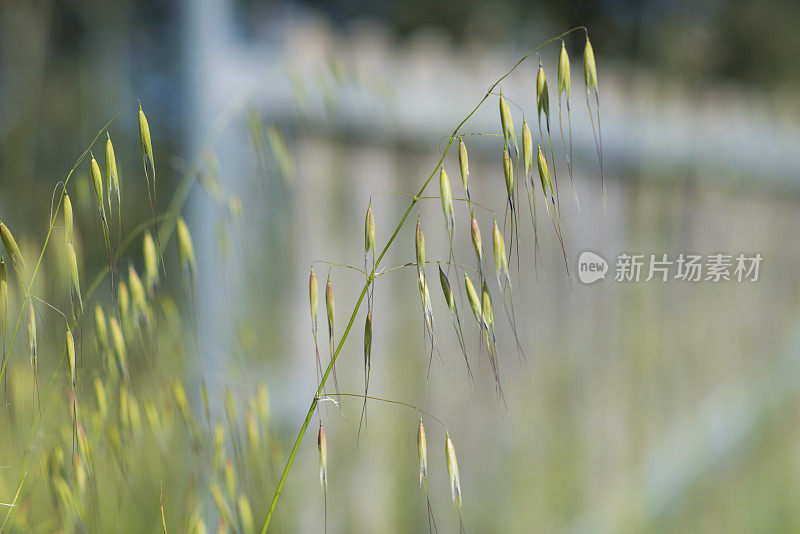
x: 368, y: 281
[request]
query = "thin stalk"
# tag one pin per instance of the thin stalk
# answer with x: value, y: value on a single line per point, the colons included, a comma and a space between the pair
x: 315, y: 399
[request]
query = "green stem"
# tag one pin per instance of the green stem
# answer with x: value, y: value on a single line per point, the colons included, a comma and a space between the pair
x: 400, y: 224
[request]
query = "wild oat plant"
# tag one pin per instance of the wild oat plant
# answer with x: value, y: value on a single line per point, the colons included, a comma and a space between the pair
x: 112, y: 417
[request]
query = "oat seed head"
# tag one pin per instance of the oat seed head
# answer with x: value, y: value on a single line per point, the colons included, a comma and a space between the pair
x: 329, y: 305
x: 422, y: 452
x: 68, y: 219
x: 544, y: 173
x: 508, y: 172
x: 71, y: 355
x: 447, y: 199
x: 144, y: 139
x: 419, y: 245
x: 100, y: 327
x: 472, y: 297
x: 542, y: 94
x: 563, y: 71
x: 313, y: 297
x: 112, y: 176
x: 452, y: 470
x: 12, y: 249
x: 589, y: 68
x: 369, y: 230
x: 322, y: 446
x: 506, y: 121
x: 32, y: 333
x: 527, y: 148
x: 476, y: 240
x: 499, y: 248
x: 151, y: 275
x: 185, y: 247
x: 368, y: 341
x: 72, y: 259
x: 463, y: 163
x: 447, y: 291
x: 488, y: 309
x: 97, y: 180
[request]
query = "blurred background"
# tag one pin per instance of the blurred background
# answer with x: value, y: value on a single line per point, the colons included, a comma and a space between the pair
x: 637, y: 407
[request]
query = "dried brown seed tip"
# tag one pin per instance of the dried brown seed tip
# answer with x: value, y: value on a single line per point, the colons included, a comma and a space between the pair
x: 589, y: 68
x: 463, y: 163
x: 369, y: 230
x: 322, y: 446
x: 452, y: 470
x: 563, y: 71
x: 312, y: 295
x: 476, y: 239
x: 422, y: 452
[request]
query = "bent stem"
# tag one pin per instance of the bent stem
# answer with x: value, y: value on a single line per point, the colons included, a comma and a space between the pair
x: 414, y: 200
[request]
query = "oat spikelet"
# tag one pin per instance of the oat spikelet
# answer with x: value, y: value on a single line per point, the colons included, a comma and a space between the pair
x: 476, y: 240
x: 474, y: 302
x: 367, y: 366
x: 97, y: 181
x: 527, y: 148
x: 120, y: 351
x: 71, y: 356
x: 542, y: 95
x: 565, y: 88
x: 73, y: 273
x: 589, y: 67
x: 330, y: 308
x: 499, y: 249
x: 564, y: 85
x: 100, y: 328
x: 68, y: 219
x: 112, y: 176
x: 12, y: 249
x: 369, y: 231
x: 590, y: 80
x: 186, y: 248
x: 463, y: 164
x: 422, y: 452
x: 313, y: 298
x: 452, y: 471
x: 456, y: 320
x: 419, y: 246
x: 32, y: 335
x: 322, y: 447
x: 151, y: 275
x: 506, y: 122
